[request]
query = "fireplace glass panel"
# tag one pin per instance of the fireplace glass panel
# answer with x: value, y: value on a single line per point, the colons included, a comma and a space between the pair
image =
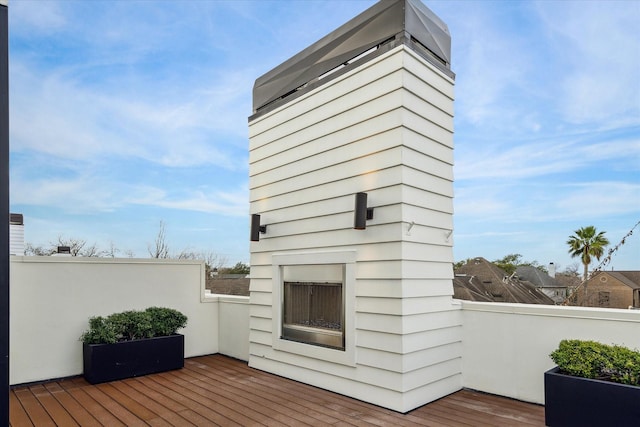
x: 313, y: 309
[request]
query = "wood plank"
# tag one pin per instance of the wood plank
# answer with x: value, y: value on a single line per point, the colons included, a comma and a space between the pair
x: 177, y: 393
x: 120, y: 412
x: 218, y: 390
x: 245, y: 396
x: 320, y: 400
x: 138, y: 393
x: 239, y: 413
x: 56, y: 411
x: 34, y: 408
x: 73, y: 407
x: 18, y: 417
x: 114, y: 390
x: 101, y: 414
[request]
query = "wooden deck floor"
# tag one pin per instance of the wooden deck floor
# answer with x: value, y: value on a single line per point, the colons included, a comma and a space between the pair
x: 217, y: 390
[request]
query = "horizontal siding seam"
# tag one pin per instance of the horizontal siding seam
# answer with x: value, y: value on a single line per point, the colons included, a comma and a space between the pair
x: 318, y: 124
x: 334, y: 82
x: 323, y: 168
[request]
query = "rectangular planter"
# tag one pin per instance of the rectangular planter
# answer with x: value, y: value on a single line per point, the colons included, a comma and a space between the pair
x: 574, y: 401
x: 109, y: 362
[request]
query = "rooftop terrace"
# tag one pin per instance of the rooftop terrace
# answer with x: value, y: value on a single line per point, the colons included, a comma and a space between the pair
x: 218, y: 390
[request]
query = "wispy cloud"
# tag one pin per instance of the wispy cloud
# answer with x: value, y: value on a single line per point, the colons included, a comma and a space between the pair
x: 137, y: 111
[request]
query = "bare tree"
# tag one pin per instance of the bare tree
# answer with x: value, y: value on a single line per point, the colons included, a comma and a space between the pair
x: 31, y: 250
x: 211, y: 259
x: 77, y: 247
x: 111, y: 251
x: 160, y: 248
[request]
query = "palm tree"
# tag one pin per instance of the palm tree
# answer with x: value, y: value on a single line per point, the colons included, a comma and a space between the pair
x: 586, y: 243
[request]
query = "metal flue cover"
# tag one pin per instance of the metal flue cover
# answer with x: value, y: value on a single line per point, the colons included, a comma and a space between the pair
x: 380, y: 28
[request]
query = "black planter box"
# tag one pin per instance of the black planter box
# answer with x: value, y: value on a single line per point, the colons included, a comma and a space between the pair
x: 109, y: 362
x: 574, y: 401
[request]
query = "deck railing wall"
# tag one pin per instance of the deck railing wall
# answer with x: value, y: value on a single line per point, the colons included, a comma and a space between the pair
x: 506, y: 346
x: 52, y: 299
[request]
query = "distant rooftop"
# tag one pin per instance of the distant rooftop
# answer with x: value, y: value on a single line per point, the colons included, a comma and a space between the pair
x: 385, y: 25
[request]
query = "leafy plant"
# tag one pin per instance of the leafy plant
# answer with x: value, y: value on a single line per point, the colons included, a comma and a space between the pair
x: 166, y: 321
x: 101, y: 331
x: 590, y: 359
x: 133, y: 325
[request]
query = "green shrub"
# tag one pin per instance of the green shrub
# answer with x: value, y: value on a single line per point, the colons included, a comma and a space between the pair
x: 166, y: 321
x: 590, y: 359
x: 133, y: 325
x: 101, y: 331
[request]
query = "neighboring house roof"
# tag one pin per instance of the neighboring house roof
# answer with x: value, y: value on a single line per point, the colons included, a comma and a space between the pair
x: 537, y: 277
x: 567, y: 280
x: 629, y: 278
x: 480, y: 280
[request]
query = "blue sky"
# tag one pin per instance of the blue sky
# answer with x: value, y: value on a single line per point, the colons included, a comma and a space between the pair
x: 125, y: 114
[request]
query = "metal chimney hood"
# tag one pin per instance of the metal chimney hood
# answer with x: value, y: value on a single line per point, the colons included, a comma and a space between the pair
x: 387, y: 24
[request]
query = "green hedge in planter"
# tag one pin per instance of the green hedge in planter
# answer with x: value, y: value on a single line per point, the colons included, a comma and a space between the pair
x: 132, y: 325
x: 590, y: 359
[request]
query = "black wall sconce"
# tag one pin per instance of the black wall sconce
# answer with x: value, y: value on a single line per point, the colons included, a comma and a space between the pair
x: 361, y: 212
x: 256, y: 228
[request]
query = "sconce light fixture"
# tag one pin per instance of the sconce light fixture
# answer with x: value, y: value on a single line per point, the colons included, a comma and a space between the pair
x: 361, y: 213
x: 256, y: 228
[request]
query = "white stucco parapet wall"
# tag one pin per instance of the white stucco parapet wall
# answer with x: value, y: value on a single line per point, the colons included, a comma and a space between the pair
x: 52, y: 299
x: 506, y: 347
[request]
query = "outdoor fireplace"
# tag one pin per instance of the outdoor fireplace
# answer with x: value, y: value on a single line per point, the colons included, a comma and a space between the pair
x: 314, y: 313
x: 313, y: 305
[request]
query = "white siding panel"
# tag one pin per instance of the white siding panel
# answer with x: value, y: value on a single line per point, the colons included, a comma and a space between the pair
x: 431, y: 374
x: 428, y: 93
x: 428, y: 73
x: 426, y: 145
x: 362, y: 76
x: 261, y: 298
x: 422, y: 216
x: 425, y: 180
x: 326, y: 138
x: 260, y: 337
x: 420, y: 197
x: 382, y: 107
x: 406, y: 288
x: 432, y: 166
x: 432, y: 355
x: 371, y: 393
x: 426, y: 129
x: 405, y: 269
x: 260, y: 324
x: 329, y: 113
x: 397, y: 324
x: 260, y: 311
x: 427, y: 111
x: 427, y: 339
x: 339, y: 173
x: 408, y: 362
x: 404, y: 306
x: 265, y: 199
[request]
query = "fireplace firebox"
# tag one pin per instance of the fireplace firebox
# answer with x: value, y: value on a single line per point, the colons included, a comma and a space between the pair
x: 313, y: 308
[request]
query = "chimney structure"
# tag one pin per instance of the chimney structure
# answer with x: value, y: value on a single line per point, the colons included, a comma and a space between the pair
x: 16, y: 234
x: 351, y: 174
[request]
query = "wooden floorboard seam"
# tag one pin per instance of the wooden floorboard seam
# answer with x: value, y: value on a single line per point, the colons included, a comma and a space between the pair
x: 217, y: 390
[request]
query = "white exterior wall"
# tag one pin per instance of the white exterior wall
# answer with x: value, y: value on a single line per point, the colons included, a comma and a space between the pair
x: 506, y: 347
x: 385, y: 128
x: 16, y: 239
x: 52, y: 299
x: 233, y: 325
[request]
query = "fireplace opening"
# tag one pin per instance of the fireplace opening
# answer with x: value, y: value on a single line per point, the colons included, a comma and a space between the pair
x: 313, y: 310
